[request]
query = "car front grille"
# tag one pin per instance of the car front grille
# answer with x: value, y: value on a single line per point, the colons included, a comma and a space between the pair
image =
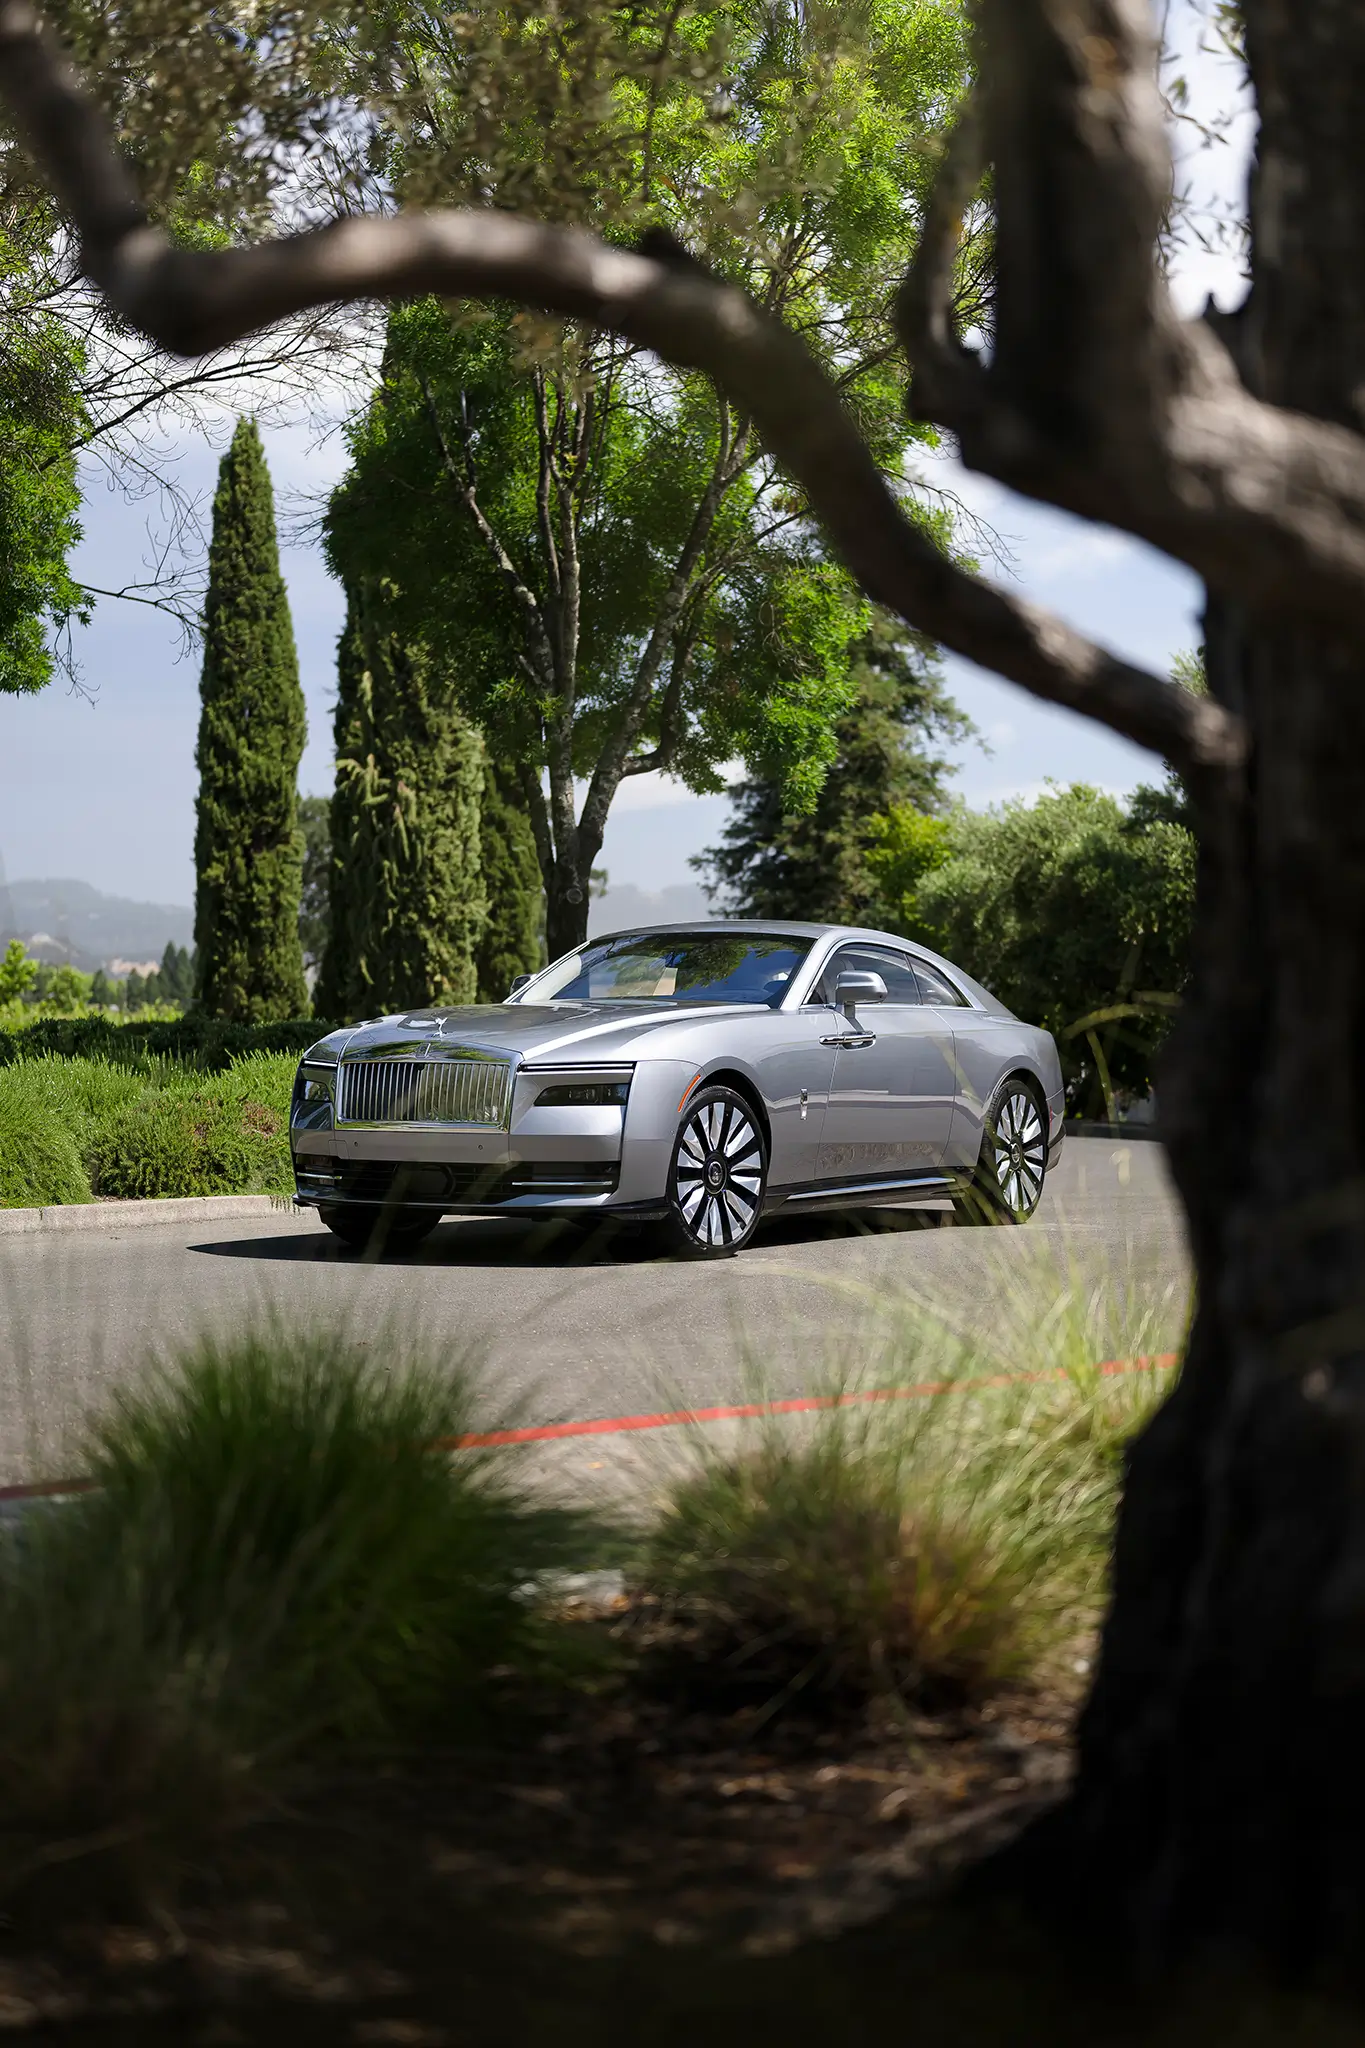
x: 404, y: 1091
x: 419, y: 1182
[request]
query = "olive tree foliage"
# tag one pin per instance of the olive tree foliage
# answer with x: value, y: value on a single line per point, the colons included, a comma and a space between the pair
x: 1221, y: 1778
x: 602, y: 546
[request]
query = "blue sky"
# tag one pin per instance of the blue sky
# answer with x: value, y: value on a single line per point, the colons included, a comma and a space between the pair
x: 100, y: 786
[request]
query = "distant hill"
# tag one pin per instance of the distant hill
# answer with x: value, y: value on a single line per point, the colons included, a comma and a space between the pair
x: 73, y: 921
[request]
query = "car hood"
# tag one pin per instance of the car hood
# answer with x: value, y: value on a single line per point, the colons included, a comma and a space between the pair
x: 536, y: 1031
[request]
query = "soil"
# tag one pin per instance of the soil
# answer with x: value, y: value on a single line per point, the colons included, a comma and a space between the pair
x: 644, y: 1871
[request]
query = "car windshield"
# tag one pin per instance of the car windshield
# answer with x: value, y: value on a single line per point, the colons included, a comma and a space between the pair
x: 675, y: 967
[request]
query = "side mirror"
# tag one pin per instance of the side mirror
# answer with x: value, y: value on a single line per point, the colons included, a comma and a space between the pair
x: 852, y: 989
x: 519, y: 981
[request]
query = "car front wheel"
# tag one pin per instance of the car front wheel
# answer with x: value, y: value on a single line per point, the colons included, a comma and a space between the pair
x: 1007, y: 1184
x: 717, y: 1176
x: 371, y: 1227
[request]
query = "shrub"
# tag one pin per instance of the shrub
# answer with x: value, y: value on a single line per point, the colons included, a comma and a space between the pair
x: 274, y: 1563
x: 40, y: 1162
x: 177, y: 1142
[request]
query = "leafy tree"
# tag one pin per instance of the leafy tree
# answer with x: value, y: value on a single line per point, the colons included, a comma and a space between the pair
x: 41, y: 419
x: 903, y: 847
x: 248, y: 847
x: 134, y: 990
x: 315, y: 824
x: 602, y: 551
x: 510, y: 942
x: 17, y: 973
x: 101, y: 990
x: 815, y: 864
x: 1077, y: 913
x: 409, y: 905
x: 67, y: 991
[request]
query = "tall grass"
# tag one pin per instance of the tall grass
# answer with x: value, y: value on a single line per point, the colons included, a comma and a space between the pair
x: 939, y: 1546
x: 274, y: 1564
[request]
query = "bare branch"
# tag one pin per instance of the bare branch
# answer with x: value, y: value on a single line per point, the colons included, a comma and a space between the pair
x: 192, y: 301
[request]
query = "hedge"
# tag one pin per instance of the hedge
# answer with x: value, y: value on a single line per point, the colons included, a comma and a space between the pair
x: 208, y: 1044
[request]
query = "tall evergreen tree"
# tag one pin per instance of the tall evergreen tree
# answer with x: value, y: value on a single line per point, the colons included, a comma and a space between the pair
x: 511, y: 943
x: 248, y: 848
x: 347, y: 849
x: 773, y: 864
x: 408, y: 898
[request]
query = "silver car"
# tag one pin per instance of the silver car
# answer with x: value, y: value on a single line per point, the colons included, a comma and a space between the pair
x: 699, y: 1076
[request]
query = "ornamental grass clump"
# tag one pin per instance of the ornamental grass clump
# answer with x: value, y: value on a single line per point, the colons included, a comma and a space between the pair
x: 932, y: 1545
x: 274, y: 1567
x: 813, y: 1568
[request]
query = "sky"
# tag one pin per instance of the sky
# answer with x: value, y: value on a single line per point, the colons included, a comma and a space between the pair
x: 98, y: 783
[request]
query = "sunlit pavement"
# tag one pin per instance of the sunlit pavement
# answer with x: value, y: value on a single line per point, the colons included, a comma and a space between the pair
x: 562, y: 1323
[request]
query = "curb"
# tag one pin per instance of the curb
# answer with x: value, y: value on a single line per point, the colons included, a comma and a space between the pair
x: 119, y: 1215
x: 1146, y: 1133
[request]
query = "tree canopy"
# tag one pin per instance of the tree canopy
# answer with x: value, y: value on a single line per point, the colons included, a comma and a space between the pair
x: 776, y: 862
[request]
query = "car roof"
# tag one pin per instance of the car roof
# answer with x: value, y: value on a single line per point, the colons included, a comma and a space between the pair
x: 781, y: 927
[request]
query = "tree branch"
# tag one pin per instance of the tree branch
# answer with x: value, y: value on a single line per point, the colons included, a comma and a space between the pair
x: 1097, y: 398
x: 191, y: 301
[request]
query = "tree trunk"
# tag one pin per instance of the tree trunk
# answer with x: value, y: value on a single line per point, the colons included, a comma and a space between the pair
x: 1221, y: 1795
x: 566, y: 912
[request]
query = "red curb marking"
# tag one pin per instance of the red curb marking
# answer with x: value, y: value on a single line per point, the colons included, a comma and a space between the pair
x: 619, y: 1425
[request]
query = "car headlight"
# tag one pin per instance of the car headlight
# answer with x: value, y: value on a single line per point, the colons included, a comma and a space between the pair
x: 583, y: 1095
x: 313, y: 1104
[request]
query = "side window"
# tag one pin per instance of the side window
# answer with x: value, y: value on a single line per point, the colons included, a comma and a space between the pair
x: 937, y: 988
x: 894, y: 968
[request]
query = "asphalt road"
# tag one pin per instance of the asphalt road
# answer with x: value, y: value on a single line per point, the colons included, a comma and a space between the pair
x: 560, y: 1324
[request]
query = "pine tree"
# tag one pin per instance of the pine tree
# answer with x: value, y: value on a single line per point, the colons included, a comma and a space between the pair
x: 770, y: 864
x: 408, y: 898
x: 511, y: 943
x: 248, y: 848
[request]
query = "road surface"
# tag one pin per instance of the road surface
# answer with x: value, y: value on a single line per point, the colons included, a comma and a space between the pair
x: 560, y: 1324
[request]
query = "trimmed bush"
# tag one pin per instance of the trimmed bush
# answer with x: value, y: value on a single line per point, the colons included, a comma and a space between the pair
x: 40, y: 1160
x: 179, y: 1143
x: 205, y: 1043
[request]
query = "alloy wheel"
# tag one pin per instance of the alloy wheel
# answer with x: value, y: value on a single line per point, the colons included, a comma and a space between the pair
x: 718, y: 1173
x: 1019, y: 1151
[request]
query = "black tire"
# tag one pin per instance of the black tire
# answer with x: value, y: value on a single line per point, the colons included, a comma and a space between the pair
x: 1007, y: 1181
x: 372, y: 1227
x: 716, y: 1177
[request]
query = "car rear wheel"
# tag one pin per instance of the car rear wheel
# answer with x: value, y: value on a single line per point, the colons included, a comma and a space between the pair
x: 369, y: 1226
x: 1007, y: 1183
x: 717, y: 1176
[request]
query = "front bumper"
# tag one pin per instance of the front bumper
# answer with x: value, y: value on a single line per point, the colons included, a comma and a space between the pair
x: 558, y: 1159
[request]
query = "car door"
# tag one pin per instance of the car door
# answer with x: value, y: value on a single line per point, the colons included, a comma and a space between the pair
x: 890, y: 1104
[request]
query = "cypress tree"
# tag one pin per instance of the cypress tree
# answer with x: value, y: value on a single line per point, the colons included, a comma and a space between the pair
x: 511, y: 942
x: 407, y: 902
x: 334, y: 989
x: 248, y: 849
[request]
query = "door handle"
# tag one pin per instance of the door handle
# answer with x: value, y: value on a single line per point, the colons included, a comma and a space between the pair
x: 852, y: 1038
